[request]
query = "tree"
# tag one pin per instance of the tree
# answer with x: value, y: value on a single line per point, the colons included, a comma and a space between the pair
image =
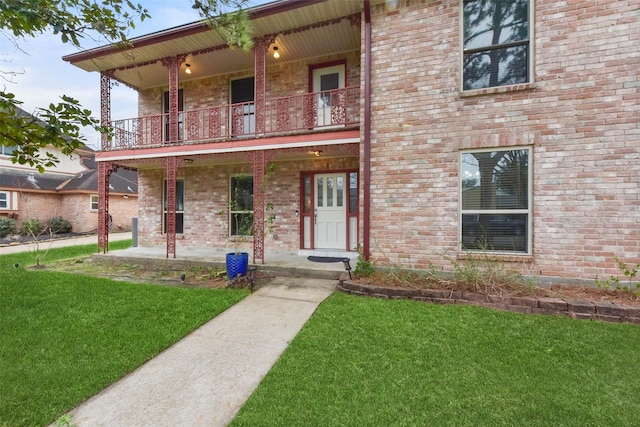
x: 59, y: 124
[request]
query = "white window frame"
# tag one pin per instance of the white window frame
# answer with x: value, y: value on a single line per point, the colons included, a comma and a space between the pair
x: 530, y: 56
x: 178, y: 211
x: 93, y: 201
x: 7, y: 150
x: 6, y: 201
x: 528, y: 211
x: 231, y: 212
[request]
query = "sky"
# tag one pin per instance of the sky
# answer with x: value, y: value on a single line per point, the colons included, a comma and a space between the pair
x: 43, y: 77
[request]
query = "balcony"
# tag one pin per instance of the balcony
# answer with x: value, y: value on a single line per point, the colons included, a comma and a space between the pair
x: 292, y: 115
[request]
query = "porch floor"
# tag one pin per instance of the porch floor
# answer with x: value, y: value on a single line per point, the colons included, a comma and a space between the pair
x: 277, y: 263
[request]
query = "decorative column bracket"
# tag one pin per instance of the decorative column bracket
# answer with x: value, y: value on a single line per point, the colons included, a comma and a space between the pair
x: 105, y: 107
x: 105, y: 169
x: 171, y: 165
x: 260, y: 47
x: 173, y: 65
x: 258, y: 160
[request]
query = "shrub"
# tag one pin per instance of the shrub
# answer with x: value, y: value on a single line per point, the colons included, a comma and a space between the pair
x: 32, y: 227
x: 7, y: 225
x: 364, y: 267
x: 58, y: 224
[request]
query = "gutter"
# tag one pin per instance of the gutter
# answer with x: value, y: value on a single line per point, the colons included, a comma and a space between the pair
x: 366, y: 237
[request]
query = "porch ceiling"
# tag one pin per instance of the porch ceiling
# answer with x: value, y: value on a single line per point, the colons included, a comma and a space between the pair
x: 318, y: 151
x: 293, y: 23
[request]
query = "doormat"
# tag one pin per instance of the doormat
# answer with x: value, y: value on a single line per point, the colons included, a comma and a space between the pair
x: 325, y: 259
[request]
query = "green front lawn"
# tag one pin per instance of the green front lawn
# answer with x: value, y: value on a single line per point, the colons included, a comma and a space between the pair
x: 65, y: 337
x: 357, y: 362
x: 371, y: 362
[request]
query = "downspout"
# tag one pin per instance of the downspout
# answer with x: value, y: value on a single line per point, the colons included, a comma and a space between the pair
x: 367, y: 132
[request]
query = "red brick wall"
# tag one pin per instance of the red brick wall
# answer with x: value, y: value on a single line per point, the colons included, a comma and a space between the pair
x: 581, y: 115
x: 283, y: 79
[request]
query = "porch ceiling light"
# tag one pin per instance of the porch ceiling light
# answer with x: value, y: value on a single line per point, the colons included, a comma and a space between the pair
x: 188, y: 68
x: 276, y: 54
x: 317, y: 153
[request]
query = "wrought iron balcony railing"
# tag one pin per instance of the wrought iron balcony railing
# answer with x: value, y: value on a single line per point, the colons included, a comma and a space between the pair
x: 310, y: 112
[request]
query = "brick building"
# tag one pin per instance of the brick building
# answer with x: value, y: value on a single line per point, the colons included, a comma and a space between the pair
x: 420, y: 131
x: 68, y: 189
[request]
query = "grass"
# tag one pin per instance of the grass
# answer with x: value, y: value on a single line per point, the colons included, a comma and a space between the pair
x: 66, y: 337
x: 370, y: 362
x: 26, y: 259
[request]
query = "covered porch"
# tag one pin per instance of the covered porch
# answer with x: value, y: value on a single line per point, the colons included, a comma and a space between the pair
x: 277, y: 263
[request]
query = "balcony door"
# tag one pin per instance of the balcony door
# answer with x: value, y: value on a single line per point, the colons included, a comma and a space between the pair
x: 325, y: 81
x: 243, y: 109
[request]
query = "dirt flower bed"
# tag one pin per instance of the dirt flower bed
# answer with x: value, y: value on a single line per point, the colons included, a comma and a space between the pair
x: 498, y: 286
x: 203, y: 277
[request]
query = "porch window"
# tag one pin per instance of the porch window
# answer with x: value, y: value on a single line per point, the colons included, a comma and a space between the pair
x: 93, y: 202
x: 497, y: 38
x: 241, y: 206
x: 179, y: 206
x: 4, y: 200
x: 495, y: 194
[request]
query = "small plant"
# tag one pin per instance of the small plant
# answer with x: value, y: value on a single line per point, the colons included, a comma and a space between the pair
x: 32, y: 227
x: 64, y: 421
x: 363, y: 267
x: 630, y: 284
x: 7, y: 225
x: 58, y: 224
x: 487, y: 275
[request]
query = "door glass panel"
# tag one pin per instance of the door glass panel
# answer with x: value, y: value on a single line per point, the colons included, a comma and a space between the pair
x: 243, y: 114
x: 339, y: 191
x: 327, y: 82
x: 353, y: 192
x: 329, y: 191
x: 166, y: 106
x: 307, y: 194
x: 320, y: 192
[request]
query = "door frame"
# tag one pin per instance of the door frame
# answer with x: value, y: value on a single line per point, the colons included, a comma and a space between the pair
x: 307, y: 211
x: 322, y: 117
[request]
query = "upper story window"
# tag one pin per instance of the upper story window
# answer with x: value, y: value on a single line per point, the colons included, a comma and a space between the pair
x: 7, y: 150
x: 495, y: 199
x: 497, y: 49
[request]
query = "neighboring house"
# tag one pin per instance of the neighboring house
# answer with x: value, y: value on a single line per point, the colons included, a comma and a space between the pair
x: 419, y: 131
x: 68, y: 190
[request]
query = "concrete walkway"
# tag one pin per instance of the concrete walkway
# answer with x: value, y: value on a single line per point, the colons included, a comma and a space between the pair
x: 204, y: 379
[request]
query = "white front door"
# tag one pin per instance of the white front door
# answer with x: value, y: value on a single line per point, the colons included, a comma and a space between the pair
x: 330, y: 214
x: 325, y: 80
